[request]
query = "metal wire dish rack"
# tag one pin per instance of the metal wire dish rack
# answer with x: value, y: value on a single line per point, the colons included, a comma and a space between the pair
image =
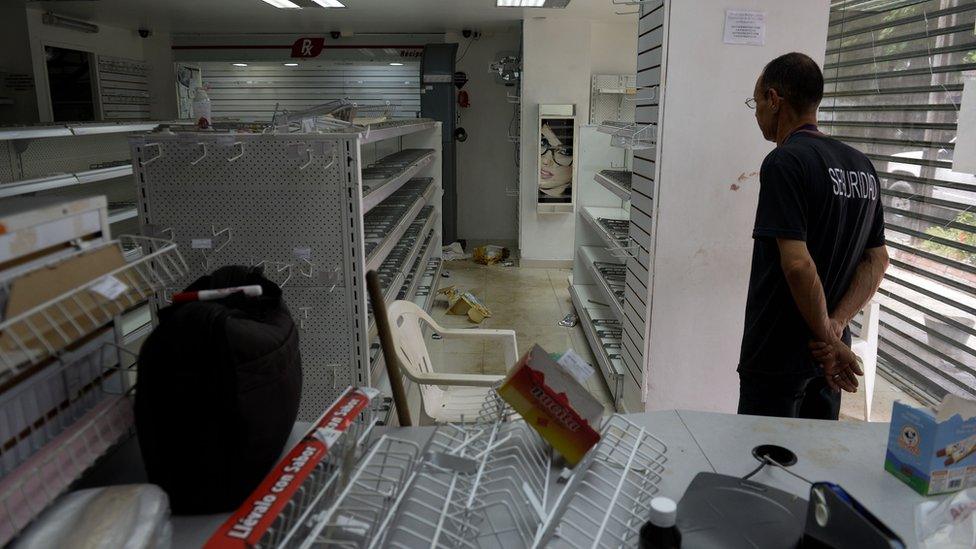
x: 41, y: 332
x: 491, y: 483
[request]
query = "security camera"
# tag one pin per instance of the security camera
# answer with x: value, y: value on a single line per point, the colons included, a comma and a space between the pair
x: 335, y: 35
x: 145, y: 33
x: 466, y: 33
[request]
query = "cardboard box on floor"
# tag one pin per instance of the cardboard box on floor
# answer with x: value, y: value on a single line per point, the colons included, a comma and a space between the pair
x: 74, y: 317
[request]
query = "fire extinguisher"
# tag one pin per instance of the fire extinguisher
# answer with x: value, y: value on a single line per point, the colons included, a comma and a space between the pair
x: 463, y: 100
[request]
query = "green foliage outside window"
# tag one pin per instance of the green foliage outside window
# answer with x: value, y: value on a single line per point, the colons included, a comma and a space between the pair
x: 961, y: 236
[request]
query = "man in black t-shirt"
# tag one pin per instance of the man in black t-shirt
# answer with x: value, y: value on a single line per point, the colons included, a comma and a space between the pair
x: 818, y: 253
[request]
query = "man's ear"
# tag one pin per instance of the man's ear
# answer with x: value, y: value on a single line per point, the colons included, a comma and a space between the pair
x: 774, y: 98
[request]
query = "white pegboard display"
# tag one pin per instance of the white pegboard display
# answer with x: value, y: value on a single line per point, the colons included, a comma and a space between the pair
x: 291, y: 202
x: 278, y: 201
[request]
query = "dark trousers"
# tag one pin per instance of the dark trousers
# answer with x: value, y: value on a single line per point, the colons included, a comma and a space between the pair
x: 787, y: 396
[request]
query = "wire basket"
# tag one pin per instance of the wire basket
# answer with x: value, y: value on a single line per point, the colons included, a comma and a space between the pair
x: 43, y: 331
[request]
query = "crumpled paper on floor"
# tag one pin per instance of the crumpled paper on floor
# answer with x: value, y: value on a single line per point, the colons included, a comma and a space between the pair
x: 490, y: 254
x: 463, y: 302
x: 453, y: 252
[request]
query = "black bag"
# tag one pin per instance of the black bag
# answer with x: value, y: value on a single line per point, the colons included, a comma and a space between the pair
x: 217, y: 393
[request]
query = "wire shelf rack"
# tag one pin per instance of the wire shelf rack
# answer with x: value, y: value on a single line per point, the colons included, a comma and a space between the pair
x: 631, y: 136
x: 492, y: 483
x: 608, y: 497
x: 46, y: 329
x: 44, y: 478
x: 296, y: 496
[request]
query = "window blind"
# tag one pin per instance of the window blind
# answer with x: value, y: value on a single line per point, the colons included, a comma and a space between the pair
x: 893, y: 84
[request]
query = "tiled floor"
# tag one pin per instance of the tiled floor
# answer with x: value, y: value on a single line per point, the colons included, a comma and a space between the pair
x: 531, y: 302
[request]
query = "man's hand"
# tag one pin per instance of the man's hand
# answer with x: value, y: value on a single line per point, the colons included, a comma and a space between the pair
x: 839, y: 364
x: 837, y: 327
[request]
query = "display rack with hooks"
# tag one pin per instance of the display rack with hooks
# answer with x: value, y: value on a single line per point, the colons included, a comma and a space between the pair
x: 312, y: 166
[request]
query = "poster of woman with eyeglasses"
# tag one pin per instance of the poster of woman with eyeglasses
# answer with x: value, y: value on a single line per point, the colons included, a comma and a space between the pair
x: 556, y: 161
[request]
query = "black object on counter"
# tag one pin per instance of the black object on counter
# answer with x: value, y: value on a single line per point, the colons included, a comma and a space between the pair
x: 837, y: 520
x: 219, y: 384
x: 661, y: 531
x: 720, y: 511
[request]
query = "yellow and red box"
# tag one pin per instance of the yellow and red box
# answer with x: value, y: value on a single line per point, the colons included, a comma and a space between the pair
x: 554, y: 403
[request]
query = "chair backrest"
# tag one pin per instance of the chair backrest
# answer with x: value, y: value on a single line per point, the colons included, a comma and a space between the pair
x: 406, y: 325
x: 869, y: 322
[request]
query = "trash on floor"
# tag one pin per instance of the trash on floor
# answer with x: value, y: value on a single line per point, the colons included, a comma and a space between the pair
x: 462, y: 302
x: 569, y: 321
x: 490, y: 254
x: 454, y: 252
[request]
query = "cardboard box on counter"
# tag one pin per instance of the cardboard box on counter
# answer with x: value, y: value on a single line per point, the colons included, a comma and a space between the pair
x: 550, y: 397
x: 934, y: 452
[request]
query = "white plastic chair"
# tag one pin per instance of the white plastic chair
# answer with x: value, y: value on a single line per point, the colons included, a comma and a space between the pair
x: 445, y: 397
x: 865, y: 346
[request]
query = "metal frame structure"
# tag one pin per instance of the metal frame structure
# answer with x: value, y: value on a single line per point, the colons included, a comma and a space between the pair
x: 294, y: 203
x: 491, y: 483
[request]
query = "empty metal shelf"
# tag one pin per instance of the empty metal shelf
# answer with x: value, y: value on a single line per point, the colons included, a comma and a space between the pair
x: 616, y: 181
x: 387, y: 175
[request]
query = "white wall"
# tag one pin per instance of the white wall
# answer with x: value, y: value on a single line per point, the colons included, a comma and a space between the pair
x: 110, y: 41
x: 559, y: 56
x: 703, y: 244
x: 486, y: 161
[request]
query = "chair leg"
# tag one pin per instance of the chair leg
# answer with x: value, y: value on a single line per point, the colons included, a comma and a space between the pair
x: 870, y: 365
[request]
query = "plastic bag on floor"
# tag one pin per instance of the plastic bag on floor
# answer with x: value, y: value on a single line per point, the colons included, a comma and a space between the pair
x: 947, y: 524
x: 453, y: 252
x: 132, y: 516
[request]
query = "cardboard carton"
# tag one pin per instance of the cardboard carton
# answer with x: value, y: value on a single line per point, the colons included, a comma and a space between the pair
x: 74, y: 318
x: 552, y: 400
x: 934, y: 452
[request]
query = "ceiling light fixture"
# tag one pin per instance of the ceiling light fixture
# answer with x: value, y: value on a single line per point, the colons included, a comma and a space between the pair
x: 330, y: 3
x: 396, y: 64
x: 286, y: 4
x: 291, y: 64
x: 68, y: 23
x: 531, y: 3
x: 239, y: 64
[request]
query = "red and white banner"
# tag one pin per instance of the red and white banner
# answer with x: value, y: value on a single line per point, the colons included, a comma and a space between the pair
x: 255, y: 516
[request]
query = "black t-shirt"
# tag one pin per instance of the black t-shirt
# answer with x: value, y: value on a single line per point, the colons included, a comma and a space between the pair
x: 819, y: 190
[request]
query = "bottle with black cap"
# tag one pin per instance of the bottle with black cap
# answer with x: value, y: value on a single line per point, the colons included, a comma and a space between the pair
x: 661, y: 531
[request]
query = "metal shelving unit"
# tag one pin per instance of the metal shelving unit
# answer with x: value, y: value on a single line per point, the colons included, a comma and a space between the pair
x: 387, y: 175
x: 68, y: 158
x: 307, y: 207
x: 604, y: 269
x: 616, y: 181
x: 65, y: 362
x: 386, y: 224
x: 590, y: 317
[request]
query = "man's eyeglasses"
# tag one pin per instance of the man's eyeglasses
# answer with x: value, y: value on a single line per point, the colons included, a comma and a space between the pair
x: 751, y: 103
